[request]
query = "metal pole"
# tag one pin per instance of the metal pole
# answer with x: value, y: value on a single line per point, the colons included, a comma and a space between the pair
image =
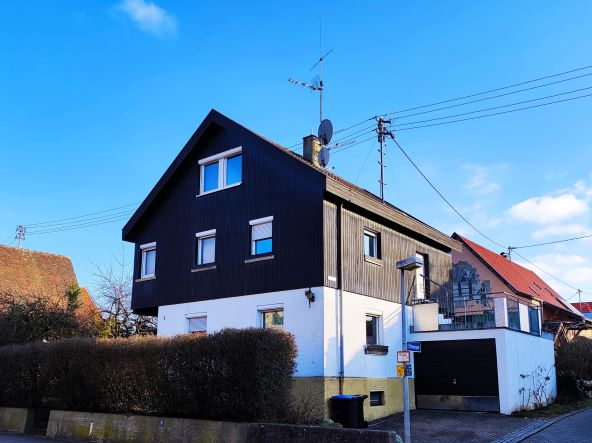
x: 381, y: 141
x: 406, y: 418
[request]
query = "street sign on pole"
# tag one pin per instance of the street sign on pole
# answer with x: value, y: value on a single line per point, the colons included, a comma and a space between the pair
x: 408, y: 370
x: 403, y: 357
x: 400, y: 370
x: 414, y: 346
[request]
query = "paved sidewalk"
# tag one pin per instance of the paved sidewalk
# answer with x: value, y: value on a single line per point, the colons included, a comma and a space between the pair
x: 456, y: 426
x: 576, y: 428
x: 18, y: 438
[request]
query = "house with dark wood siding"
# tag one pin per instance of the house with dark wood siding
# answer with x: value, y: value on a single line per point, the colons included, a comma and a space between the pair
x: 242, y: 232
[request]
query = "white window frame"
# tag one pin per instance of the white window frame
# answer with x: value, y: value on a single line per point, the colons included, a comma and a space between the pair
x: 221, y: 159
x: 146, y: 248
x: 379, y: 326
x: 194, y: 316
x: 375, y: 235
x: 420, y: 277
x: 263, y: 310
x: 260, y: 221
x: 211, y: 233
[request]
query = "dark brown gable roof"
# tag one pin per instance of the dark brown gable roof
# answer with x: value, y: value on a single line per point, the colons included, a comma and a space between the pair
x: 334, y: 184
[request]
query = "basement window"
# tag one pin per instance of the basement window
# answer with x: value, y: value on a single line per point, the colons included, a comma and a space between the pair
x: 273, y: 319
x: 198, y: 325
x: 148, y: 265
x: 376, y: 398
x: 221, y: 171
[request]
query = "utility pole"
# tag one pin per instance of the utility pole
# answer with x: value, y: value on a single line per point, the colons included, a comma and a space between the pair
x: 382, y: 131
x: 20, y: 234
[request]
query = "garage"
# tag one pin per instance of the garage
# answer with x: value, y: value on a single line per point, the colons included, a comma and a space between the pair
x: 457, y: 375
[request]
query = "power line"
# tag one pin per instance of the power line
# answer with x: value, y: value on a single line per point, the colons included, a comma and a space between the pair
x: 364, y: 164
x: 84, y: 220
x: 79, y: 226
x: 473, y: 226
x: 496, y: 113
x: 444, y: 198
x: 552, y: 242
x: 494, y: 107
x: 79, y: 216
x: 493, y: 97
x: 492, y: 90
x: 337, y: 151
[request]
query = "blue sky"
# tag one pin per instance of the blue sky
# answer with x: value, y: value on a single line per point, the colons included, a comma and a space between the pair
x: 98, y: 97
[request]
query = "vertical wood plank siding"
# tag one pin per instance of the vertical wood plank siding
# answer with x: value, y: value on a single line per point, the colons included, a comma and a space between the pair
x: 273, y: 184
x: 363, y: 277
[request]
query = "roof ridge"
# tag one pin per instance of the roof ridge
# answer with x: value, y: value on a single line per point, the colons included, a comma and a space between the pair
x: 34, y: 251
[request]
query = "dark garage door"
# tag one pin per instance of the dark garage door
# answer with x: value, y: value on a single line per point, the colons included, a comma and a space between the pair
x: 457, y: 374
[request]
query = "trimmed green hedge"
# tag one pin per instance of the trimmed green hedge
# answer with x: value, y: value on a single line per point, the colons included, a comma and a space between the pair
x: 242, y: 375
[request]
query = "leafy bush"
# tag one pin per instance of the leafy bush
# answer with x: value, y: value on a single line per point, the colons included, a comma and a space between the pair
x: 573, y: 361
x: 241, y: 375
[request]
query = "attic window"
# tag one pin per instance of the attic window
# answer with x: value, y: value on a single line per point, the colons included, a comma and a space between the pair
x: 221, y: 171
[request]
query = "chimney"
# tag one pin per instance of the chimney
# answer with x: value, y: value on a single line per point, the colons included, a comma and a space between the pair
x: 311, y: 148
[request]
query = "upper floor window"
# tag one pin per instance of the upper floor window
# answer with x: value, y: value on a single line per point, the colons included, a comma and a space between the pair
x: 148, y: 265
x: 261, y: 235
x: 221, y: 171
x: 205, y: 247
x: 371, y: 244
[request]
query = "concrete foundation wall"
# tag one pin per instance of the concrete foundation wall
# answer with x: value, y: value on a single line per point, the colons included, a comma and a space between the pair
x: 16, y: 419
x: 131, y: 429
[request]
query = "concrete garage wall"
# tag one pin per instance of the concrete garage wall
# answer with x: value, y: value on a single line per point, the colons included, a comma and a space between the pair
x: 107, y: 428
x: 516, y: 353
x: 523, y: 354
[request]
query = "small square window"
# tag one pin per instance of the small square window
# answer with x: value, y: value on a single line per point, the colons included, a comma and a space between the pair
x: 371, y: 244
x: 148, y: 263
x: 206, y: 247
x: 376, y: 398
x: 273, y: 319
x: 372, y: 330
x: 261, y: 236
x: 198, y: 325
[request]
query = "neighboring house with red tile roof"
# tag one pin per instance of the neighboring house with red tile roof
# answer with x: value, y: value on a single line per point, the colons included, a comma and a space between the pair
x: 501, y: 275
x: 584, y: 307
x: 25, y: 273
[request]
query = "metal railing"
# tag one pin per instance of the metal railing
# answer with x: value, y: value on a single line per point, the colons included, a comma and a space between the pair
x: 476, y: 310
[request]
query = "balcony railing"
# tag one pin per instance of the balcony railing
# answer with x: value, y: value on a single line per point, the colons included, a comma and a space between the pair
x: 436, y: 308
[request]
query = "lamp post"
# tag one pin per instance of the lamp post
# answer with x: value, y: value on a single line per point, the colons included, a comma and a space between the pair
x: 409, y: 264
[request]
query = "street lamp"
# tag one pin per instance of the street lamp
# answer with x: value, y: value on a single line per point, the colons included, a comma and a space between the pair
x: 409, y: 264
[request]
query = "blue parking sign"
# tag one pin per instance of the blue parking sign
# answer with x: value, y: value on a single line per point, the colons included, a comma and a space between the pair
x: 414, y: 346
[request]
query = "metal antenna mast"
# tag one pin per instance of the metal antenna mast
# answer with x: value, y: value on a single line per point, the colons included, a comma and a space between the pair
x: 382, y: 131
x: 20, y: 234
x: 314, y: 84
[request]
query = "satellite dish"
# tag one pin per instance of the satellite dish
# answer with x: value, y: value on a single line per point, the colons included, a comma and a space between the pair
x: 325, y: 131
x: 324, y: 155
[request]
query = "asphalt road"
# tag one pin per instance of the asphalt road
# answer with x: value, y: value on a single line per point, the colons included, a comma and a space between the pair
x: 576, y: 428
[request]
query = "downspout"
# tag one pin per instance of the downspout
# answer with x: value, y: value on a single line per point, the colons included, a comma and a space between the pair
x: 340, y: 299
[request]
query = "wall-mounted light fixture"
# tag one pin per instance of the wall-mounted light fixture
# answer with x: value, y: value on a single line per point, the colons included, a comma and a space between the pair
x: 310, y: 296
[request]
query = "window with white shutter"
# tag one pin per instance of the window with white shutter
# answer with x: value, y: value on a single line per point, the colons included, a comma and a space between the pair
x: 261, y: 235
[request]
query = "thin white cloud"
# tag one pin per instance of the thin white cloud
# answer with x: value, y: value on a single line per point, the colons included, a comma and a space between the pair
x: 549, y: 209
x: 483, y: 180
x: 149, y: 17
x: 560, y: 230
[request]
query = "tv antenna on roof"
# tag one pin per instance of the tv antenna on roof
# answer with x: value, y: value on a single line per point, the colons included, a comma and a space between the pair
x: 316, y: 84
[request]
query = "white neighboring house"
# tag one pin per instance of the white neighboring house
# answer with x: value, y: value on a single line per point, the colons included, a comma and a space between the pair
x: 241, y: 232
